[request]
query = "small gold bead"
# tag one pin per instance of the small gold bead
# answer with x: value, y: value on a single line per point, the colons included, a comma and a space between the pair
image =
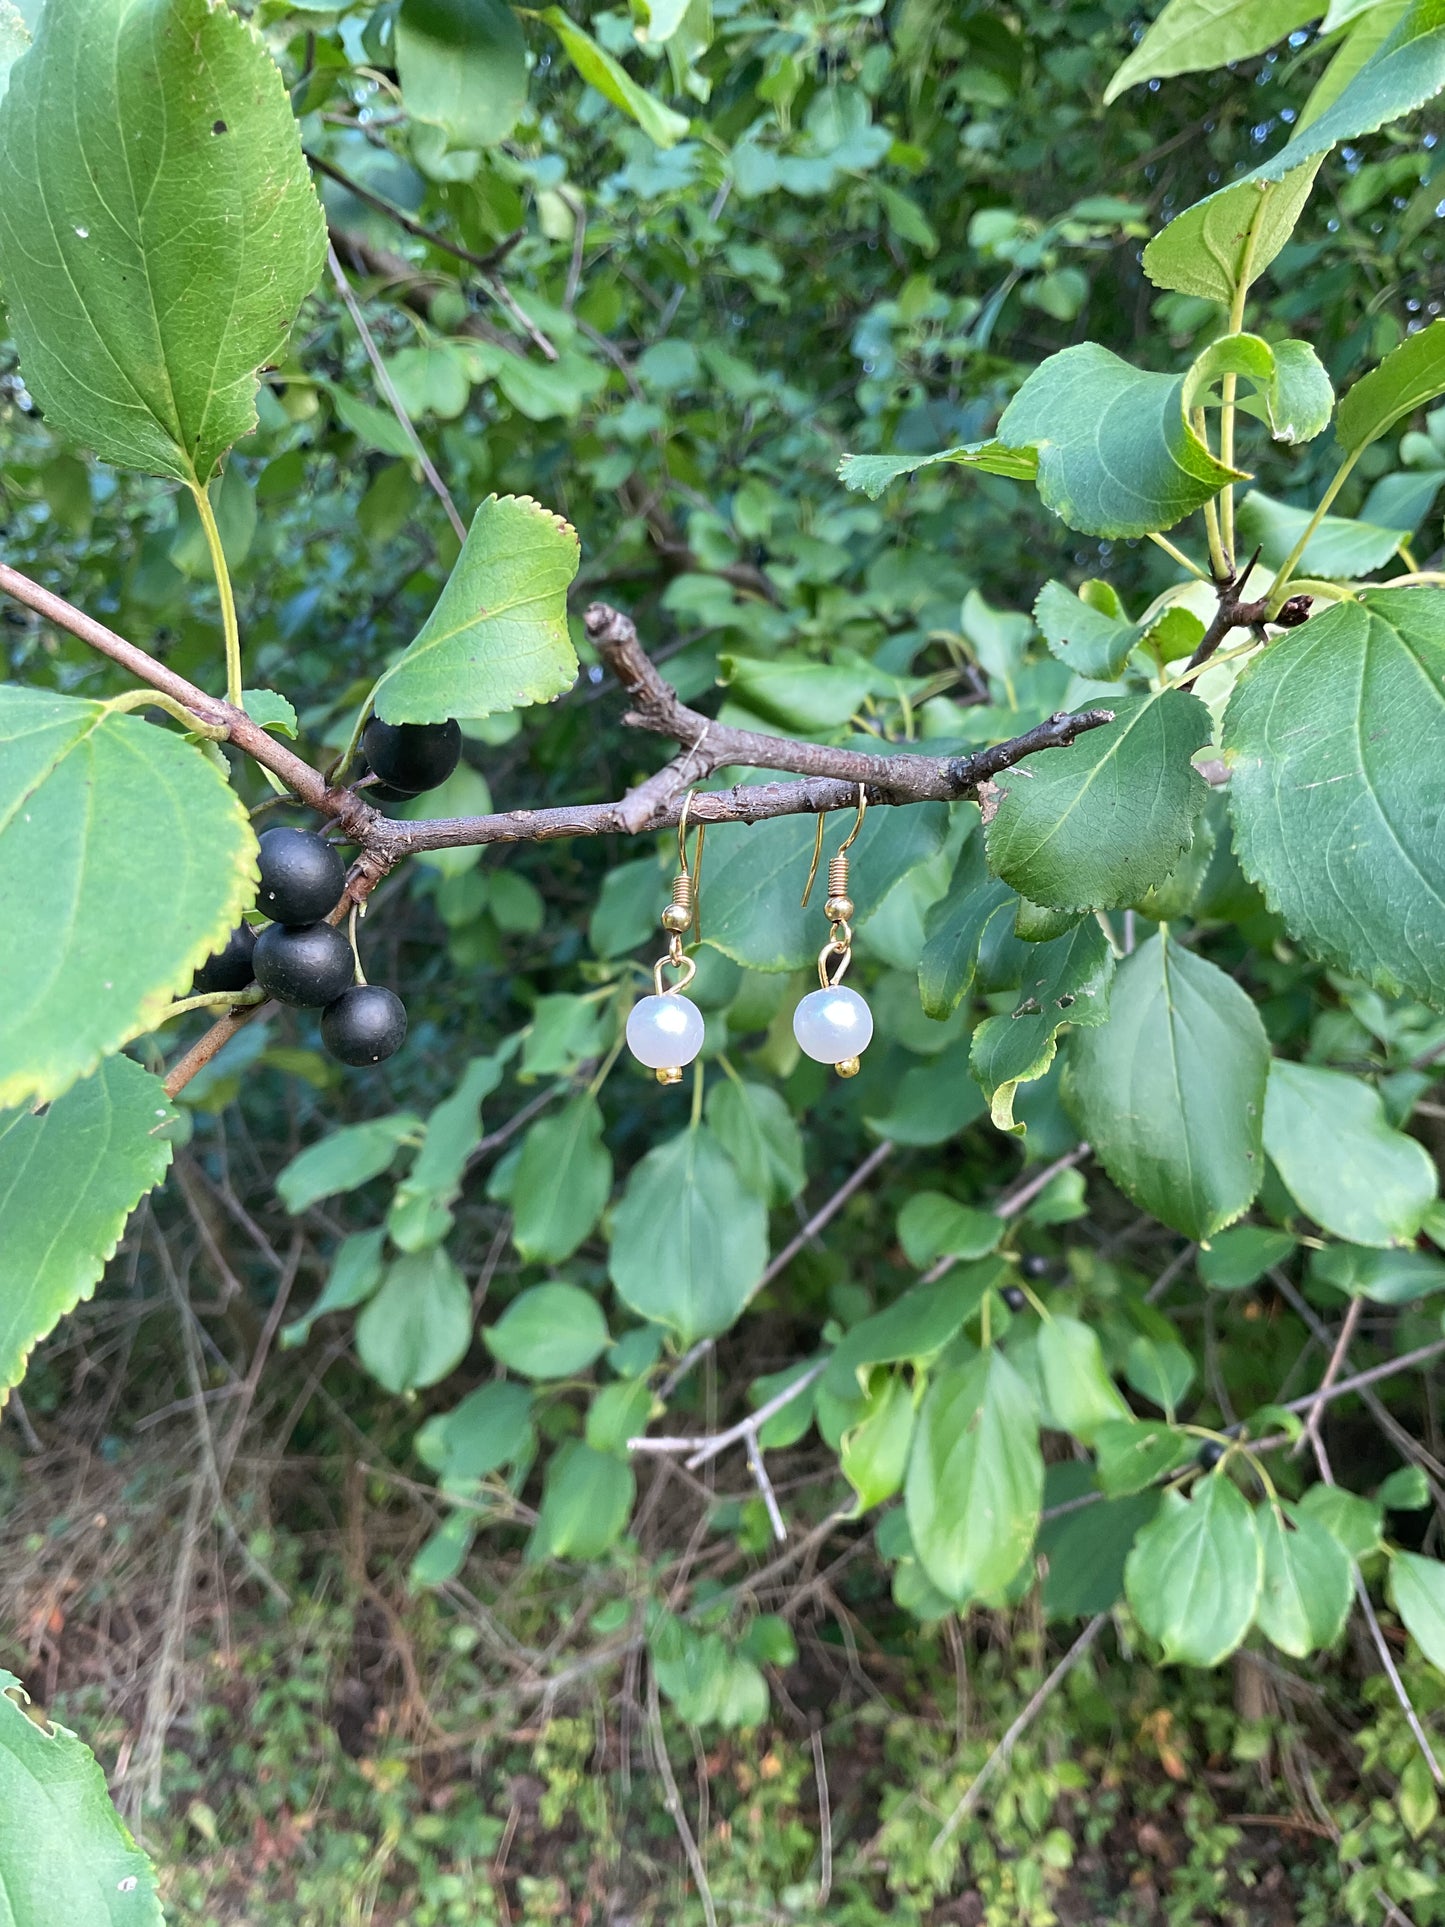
x: 676, y: 918
x: 672, y: 1075
x: 849, y: 1067
x: 839, y: 909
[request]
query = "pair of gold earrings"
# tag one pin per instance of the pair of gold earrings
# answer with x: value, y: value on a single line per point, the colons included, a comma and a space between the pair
x: 833, y: 1024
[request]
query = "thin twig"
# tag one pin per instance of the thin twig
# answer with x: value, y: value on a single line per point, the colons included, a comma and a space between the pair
x: 825, y: 1819
x: 1310, y: 1434
x: 674, y: 1799
x: 487, y: 263
x: 765, y: 1486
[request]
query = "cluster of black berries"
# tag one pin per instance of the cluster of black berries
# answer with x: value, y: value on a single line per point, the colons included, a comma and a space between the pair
x: 299, y: 958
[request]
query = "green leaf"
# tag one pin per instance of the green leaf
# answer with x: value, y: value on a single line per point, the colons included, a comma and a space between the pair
x: 754, y: 1125
x: 1170, y: 1089
x: 65, y: 1855
x: 1093, y: 826
x: 689, y: 1242
x: 915, y: 1326
x: 1065, y: 982
x: 103, y: 817
x: 1117, y: 453
x: 1404, y: 381
x: 152, y: 261
x: 1393, y: 1277
x: 1089, y: 639
x: 954, y: 929
x: 1405, y: 1490
x: 463, y: 67
x: 1085, y: 1553
x: 1159, y: 1369
x: 1080, y: 1397
x: 1337, y: 815
x: 806, y: 696
x: 756, y: 875
x: 873, y: 1454
x: 1236, y: 233
x: 421, y: 1213
x: 347, y: 1159
x: 1355, y: 1522
x: 550, y: 1331
x: 564, y: 1178
x: 418, y: 1326
x: 933, y: 1102
x: 614, y: 83
x: 1240, y: 1257
x: 497, y: 638
x: 586, y: 1501
x: 1340, y: 549
x: 1191, y: 35
x: 1340, y: 1161
x: 1194, y: 1576
x: 618, y: 1413
x: 356, y: 1272
x: 1307, y: 1586
x: 69, y: 1179
x: 492, y: 1427
x: 975, y: 1478
x: 1135, y: 1453
x: 1417, y: 1592
x: 931, y: 1225
x: 1289, y: 388
x: 271, y: 711
x: 873, y: 473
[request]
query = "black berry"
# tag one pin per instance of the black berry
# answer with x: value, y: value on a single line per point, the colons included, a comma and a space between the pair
x: 365, y: 1024
x: 1034, y: 1266
x: 307, y: 966
x: 412, y: 757
x: 1209, y: 1455
x: 302, y: 877
x: 1013, y: 1297
x: 228, y: 968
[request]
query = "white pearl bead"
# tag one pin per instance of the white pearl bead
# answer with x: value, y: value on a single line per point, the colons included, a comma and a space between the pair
x: 833, y: 1025
x: 665, y: 1032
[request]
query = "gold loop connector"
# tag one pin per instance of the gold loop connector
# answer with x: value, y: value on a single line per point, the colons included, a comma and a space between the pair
x: 674, y: 960
x: 839, y: 945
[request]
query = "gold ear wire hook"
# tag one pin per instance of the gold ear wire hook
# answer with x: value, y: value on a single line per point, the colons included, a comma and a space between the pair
x: 842, y: 849
x: 686, y: 891
x: 852, y: 835
x: 813, y: 866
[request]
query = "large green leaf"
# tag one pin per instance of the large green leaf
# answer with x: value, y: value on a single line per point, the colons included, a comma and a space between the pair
x: 563, y: 1180
x: 1417, y: 1588
x: 1065, y: 982
x: 1340, y: 1161
x: 759, y: 1132
x: 1079, y: 1394
x: 1084, y: 1553
x: 1209, y: 248
x: 1093, y: 641
x: 69, y: 1179
x: 1194, y: 1576
x: 1095, y: 825
x: 1170, y: 1089
x: 915, y: 1326
x: 873, y: 473
x: 1194, y: 34
x: 497, y: 638
x: 1307, y: 1583
x: 1404, y: 381
x: 418, y: 1326
x: 1338, y: 816
x: 975, y: 1478
x: 344, y: 1160
x: 1117, y: 454
x: 954, y: 929
x: 550, y: 1331
x: 611, y: 79
x: 463, y: 67
x: 66, y: 1858
x: 586, y: 1498
x: 751, y: 909
x: 154, y: 254
x: 125, y: 859
x: 1340, y: 549
x: 689, y: 1241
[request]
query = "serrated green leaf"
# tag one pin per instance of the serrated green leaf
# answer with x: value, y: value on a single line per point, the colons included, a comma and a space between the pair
x: 1117, y: 453
x: 65, y: 1855
x: 69, y: 1179
x: 563, y: 1180
x: 975, y: 1478
x: 1337, y: 816
x: 614, y: 83
x: 1417, y: 1592
x: 1339, y: 550
x: 1307, y: 1583
x: 1096, y: 824
x: 462, y: 65
x: 1080, y: 1397
x: 1193, y: 1578
x: 586, y: 1500
x: 343, y: 1160
x: 1194, y: 34
x: 419, y: 1324
x: 549, y: 1331
x: 1170, y: 1089
x: 1340, y: 1161
x: 152, y: 261
x: 271, y: 710
x: 1065, y: 982
x: 102, y: 817
x: 689, y: 1242
x: 873, y: 473
x: 497, y: 638
x: 1237, y: 232
x: 1404, y: 381
x: 1090, y: 640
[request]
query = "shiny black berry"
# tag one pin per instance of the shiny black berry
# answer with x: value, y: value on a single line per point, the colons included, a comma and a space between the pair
x: 302, y: 877
x: 1034, y: 1266
x: 308, y: 966
x: 228, y: 968
x: 1209, y: 1455
x: 1013, y: 1297
x: 365, y: 1024
x: 412, y: 757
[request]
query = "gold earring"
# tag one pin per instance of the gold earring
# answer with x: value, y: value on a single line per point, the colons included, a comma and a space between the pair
x: 665, y: 1030
x: 833, y: 1025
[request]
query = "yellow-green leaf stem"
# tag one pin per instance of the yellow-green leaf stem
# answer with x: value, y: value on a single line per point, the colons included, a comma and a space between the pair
x: 230, y: 629
x: 1279, y: 588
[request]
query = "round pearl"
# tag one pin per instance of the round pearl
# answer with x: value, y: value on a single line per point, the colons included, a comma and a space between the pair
x: 833, y: 1025
x: 665, y: 1032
